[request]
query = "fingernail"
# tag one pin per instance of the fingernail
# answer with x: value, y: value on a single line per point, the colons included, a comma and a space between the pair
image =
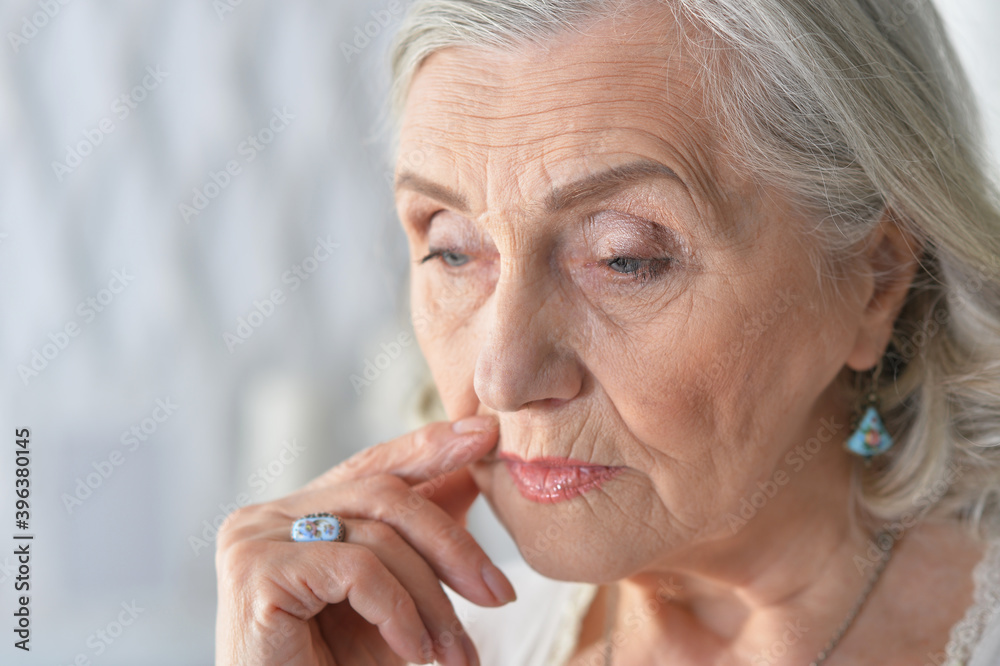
x: 498, y: 584
x: 472, y: 424
x: 470, y: 650
x: 427, y: 648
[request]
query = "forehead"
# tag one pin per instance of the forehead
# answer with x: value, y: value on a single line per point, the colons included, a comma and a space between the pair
x: 617, y: 89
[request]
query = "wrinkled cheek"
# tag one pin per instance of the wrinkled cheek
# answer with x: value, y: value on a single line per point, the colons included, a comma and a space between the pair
x: 581, y: 539
x: 677, y: 408
x: 452, y: 367
x: 450, y: 344
x: 485, y: 477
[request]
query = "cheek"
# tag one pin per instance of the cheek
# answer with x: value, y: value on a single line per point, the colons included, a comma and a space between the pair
x: 447, y: 332
x: 720, y: 386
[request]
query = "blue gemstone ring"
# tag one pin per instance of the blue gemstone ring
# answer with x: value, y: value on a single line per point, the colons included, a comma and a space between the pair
x: 318, y: 527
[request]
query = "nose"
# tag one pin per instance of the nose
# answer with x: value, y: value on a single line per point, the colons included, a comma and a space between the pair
x: 527, y: 358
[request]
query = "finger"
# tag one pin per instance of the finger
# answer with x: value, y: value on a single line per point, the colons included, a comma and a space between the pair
x: 452, y: 645
x: 300, y: 579
x: 435, y: 449
x: 448, y: 547
x: 454, y: 493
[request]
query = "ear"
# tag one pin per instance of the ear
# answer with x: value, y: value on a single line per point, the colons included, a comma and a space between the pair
x: 889, y: 263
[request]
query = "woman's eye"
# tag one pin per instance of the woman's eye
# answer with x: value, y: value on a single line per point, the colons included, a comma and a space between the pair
x: 449, y: 257
x: 642, y: 270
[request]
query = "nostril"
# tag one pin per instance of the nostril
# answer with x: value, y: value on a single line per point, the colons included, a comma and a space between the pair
x: 551, y: 402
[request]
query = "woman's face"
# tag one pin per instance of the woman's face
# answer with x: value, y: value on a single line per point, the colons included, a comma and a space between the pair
x: 599, y: 277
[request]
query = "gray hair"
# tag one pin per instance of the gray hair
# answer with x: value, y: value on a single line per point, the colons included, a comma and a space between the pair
x: 859, y: 108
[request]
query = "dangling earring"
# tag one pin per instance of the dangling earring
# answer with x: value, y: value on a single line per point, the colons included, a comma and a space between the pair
x: 870, y: 438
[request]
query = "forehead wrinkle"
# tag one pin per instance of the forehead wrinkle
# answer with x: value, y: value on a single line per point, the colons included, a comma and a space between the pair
x: 502, y: 93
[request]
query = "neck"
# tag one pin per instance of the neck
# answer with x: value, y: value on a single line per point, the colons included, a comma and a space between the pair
x: 784, y: 582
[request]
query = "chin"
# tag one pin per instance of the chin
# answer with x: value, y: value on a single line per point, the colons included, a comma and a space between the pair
x: 576, y: 539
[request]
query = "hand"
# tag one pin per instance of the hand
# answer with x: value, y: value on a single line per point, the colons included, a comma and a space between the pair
x: 377, y: 597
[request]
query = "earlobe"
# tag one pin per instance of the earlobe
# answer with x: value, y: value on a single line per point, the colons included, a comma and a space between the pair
x: 892, y: 256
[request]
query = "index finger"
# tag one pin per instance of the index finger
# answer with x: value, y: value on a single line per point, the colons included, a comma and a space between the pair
x: 423, y: 454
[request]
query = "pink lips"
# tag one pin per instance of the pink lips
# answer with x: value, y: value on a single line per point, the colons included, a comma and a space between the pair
x: 551, y: 480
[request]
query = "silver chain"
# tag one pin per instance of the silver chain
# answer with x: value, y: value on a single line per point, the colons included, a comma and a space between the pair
x: 609, y: 623
x: 609, y: 645
x: 846, y: 624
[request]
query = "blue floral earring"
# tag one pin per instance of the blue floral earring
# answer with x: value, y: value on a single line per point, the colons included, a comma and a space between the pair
x: 870, y: 438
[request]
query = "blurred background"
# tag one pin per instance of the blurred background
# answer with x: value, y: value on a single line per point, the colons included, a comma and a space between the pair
x: 203, y: 290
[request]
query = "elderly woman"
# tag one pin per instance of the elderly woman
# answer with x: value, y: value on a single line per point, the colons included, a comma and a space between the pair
x: 711, y: 290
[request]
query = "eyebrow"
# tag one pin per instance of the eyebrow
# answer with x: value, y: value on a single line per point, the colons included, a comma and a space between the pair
x: 595, y: 186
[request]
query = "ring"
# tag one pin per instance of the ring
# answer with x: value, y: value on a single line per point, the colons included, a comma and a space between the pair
x: 318, y: 527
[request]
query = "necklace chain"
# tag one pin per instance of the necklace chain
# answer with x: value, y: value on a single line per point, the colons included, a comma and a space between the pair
x: 880, y: 538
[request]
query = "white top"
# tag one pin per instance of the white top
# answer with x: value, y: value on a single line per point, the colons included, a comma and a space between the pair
x: 542, y: 626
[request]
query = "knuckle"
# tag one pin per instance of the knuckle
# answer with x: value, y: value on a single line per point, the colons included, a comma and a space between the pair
x: 241, y: 524
x: 379, y: 531
x: 366, y: 564
x: 236, y: 518
x: 402, y: 603
x: 458, y: 536
x: 356, y: 462
x: 385, y: 485
x: 422, y: 438
x: 238, y: 567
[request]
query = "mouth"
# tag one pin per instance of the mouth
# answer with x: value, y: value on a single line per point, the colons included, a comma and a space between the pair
x: 550, y: 480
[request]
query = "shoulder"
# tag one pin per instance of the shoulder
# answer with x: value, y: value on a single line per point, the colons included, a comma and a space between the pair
x: 541, y: 624
x: 983, y: 618
x: 919, y: 605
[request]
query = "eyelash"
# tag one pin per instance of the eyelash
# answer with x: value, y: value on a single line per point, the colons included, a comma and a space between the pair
x: 439, y: 253
x: 645, y: 271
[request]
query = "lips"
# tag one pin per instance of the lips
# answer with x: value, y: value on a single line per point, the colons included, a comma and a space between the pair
x: 550, y: 480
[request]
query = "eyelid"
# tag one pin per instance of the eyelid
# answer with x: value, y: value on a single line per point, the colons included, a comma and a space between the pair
x: 461, y: 233
x: 614, y: 232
